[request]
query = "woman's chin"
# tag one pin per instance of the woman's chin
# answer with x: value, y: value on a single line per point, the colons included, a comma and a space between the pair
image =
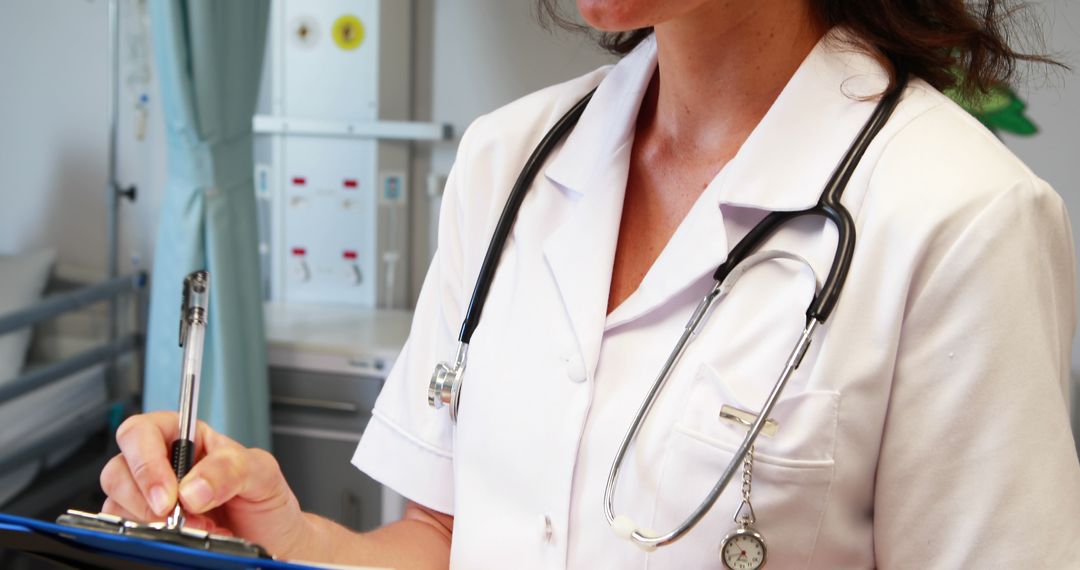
x: 622, y: 15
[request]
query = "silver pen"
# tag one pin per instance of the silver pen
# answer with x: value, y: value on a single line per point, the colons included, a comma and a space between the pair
x: 193, y: 311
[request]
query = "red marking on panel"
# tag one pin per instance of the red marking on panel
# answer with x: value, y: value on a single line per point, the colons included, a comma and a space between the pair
x: 349, y: 254
x: 299, y: 251
x: 351, y: 183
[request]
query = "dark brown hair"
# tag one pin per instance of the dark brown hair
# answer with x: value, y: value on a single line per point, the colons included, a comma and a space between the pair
x: 949, y: 43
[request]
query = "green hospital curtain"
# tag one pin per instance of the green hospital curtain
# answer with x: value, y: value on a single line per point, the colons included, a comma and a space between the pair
x: 208, y: 57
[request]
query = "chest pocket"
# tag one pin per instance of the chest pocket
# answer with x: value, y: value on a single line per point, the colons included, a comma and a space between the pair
x: 792, y: 475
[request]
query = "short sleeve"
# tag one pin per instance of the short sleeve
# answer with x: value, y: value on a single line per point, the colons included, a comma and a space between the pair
x: 977, y: 467
x: 407, y: 445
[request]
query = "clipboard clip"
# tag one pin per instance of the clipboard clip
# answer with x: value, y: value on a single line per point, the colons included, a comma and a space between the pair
x: 180, y: 536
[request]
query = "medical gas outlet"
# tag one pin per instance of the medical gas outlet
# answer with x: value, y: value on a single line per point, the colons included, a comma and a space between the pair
x: 332, y: 142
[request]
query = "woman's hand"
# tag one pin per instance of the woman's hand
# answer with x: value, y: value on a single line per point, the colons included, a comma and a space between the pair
x: 230, y: 489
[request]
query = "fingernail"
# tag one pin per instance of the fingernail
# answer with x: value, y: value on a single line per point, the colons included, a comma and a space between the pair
x: 159, y: 500
x: 197, y: 494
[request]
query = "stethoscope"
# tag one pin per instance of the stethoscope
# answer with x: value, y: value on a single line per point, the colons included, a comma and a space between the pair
x: 445, y: 386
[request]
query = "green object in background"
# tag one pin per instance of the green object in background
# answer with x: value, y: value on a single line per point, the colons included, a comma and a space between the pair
x: 207, y: 58
x: 117, y: 414
x: 999, y: 109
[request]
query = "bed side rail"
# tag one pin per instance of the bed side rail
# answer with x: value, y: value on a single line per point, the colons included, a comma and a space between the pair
x: 58, y: 304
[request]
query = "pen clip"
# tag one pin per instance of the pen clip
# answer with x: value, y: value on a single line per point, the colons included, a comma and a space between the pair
x: 185, y: 304
x: 747, y: 419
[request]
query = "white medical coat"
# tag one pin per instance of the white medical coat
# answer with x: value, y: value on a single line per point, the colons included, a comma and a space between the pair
x: 927, y: 426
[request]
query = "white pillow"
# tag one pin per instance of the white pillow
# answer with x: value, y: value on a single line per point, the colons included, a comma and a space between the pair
x: 22, y: 281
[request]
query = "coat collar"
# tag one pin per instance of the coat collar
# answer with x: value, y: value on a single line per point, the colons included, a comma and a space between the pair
x: 607, y: 124
x: 787, y: 159
x: 803, y: 135
x: 783, y: 165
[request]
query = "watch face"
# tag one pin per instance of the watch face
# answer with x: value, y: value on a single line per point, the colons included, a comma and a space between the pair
x: 743, y: 550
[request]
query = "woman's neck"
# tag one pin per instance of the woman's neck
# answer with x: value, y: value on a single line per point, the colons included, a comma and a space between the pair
x: 719, y: 70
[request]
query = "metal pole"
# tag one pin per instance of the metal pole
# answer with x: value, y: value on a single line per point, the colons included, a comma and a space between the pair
x: 112, y: 198
x: 114, y: 112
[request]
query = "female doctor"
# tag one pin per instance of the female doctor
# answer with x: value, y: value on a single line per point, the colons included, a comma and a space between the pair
x: 927, y: 425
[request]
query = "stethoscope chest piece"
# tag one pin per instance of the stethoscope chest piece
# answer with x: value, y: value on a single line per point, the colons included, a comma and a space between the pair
x: 445, y: 386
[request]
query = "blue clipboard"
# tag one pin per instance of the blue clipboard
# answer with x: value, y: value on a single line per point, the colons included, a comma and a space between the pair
x: 82, y: 548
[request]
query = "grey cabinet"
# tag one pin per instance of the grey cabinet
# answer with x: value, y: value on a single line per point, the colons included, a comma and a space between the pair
x: 317, y: 419
x: 327, y: 365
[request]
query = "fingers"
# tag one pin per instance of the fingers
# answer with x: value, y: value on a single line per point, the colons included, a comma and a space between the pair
x: 201, y: 522
x: 113, y: 508
x: 142, y: 440
x: 267, y: 481
x: 124, y: 494
x: 228, y: 484
x: 230, y: 470
x: 204, y: 522
x: 141, y: 484
x: 217, y: 477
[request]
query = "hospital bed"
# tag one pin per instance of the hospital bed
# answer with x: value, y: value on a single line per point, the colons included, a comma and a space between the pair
x: 57, y: 417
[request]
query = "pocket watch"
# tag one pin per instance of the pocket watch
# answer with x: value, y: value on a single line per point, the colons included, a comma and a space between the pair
x: 743, y: 549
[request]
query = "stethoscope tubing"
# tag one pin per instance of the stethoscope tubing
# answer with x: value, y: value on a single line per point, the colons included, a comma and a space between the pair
x: 829, y: 207
x: 445, y: 385
x: 651, y: 542
x: 509, y: 215
x: 818, y: 311
x: 446, y: 382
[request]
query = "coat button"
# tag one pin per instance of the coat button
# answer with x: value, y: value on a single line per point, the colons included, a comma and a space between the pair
x: 546, y: 530
x: 575, y: 369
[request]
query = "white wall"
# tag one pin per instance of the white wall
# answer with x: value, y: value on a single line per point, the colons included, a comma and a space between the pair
x: 474, y: 56
x: 1054, y: 154
x: 1053, y: 98
x: 52, y: 126
x: 490, y: 52
x: 54, y: 137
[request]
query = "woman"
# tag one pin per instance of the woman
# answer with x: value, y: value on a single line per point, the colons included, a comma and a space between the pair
x: 927, y: 426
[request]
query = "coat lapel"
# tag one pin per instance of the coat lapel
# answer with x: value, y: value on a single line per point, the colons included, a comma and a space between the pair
x: 698, y: 246
x: 590, y: 172
x: 580, y: 255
